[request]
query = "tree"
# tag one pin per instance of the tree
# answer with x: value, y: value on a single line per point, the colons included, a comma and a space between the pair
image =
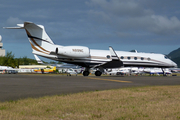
x: 8, y: 60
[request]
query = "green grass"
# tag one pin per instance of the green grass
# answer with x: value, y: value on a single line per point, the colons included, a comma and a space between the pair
x: 138, y: 103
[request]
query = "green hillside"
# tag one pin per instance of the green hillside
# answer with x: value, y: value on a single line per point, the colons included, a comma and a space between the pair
x: 175, y: 56
x: 174, y: 53
x: 177, y: 61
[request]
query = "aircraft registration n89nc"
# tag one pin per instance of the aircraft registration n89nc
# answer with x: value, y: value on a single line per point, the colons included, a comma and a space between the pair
x: 43, y: 46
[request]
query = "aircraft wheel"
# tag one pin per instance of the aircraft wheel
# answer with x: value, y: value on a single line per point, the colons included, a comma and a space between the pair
x: 98, y: 73
x: 85, y: 73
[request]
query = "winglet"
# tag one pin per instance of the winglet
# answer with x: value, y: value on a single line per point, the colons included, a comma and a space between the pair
x: 114, y: 63
x: 38, y: 60
x: 113, y: 54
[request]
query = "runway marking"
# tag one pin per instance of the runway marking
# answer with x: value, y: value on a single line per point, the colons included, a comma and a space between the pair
x: 111, y: 80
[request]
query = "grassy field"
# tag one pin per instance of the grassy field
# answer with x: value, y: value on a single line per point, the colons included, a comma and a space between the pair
x: 138, y: 103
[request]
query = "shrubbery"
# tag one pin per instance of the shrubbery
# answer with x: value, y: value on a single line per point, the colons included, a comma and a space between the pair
x: 9, y: 60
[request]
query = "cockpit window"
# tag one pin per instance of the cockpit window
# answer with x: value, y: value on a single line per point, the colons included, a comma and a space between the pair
x: 166, y: 57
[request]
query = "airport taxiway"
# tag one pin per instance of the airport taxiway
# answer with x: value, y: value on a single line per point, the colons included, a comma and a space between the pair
x: 19, y: 86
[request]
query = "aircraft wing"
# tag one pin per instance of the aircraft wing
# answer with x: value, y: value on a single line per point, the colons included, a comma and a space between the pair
x: 114, y: 63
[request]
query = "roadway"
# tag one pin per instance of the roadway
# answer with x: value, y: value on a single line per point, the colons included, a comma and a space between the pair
x: 19, y: 86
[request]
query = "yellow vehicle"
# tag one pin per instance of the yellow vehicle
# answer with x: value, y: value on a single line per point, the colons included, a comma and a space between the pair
x: 46, y: 70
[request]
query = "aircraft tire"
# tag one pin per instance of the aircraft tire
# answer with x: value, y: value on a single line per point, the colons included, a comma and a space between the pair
x: 85, y: 73
x: 98, y: 73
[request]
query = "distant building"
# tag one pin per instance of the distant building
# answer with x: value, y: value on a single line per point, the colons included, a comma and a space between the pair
x: 2, y: 51
x: 34, y: 66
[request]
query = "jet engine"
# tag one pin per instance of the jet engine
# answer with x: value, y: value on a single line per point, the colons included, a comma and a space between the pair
x: 73, y: 51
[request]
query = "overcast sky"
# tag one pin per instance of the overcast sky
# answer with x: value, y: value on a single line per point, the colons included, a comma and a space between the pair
x: 145, y: 25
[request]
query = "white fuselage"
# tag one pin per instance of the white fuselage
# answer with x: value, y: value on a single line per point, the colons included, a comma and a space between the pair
x: 128, y: 58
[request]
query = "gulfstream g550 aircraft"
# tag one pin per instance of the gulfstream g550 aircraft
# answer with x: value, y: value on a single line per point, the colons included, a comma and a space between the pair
x: 43, y: 46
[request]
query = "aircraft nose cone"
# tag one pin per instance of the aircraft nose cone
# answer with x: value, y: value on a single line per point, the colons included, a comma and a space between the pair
x: 174, y: 64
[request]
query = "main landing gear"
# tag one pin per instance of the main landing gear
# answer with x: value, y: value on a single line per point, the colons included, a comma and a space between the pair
x: 86, y: 72
x: 98, y: 73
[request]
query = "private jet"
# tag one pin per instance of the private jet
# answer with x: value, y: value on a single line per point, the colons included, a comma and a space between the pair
x: 43, y: 46
x: 157, y: 71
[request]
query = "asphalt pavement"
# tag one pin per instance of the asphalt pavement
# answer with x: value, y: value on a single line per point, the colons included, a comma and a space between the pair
x: 20, y: 86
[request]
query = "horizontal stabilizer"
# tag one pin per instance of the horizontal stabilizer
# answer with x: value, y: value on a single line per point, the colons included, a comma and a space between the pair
x: 13, y: 27
x: 20, y: 26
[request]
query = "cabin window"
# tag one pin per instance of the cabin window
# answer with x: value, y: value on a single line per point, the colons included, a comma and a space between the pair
x: 142, y: 58
x: 128, y: 58
x: 135, y: 58
x: 148, y: 58
x: 122, y: 57
x: 108, y: 56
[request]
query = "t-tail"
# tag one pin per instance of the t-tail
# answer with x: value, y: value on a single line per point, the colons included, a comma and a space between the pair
x: 42, y: 45
x: 38, y: 38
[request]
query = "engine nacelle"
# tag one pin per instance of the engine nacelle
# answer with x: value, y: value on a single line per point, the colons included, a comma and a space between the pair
x: 73, y: 51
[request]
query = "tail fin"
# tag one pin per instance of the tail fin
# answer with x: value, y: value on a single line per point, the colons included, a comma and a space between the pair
x: 38, y: 38
x: 37, y: 32
x: 54, y: 68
